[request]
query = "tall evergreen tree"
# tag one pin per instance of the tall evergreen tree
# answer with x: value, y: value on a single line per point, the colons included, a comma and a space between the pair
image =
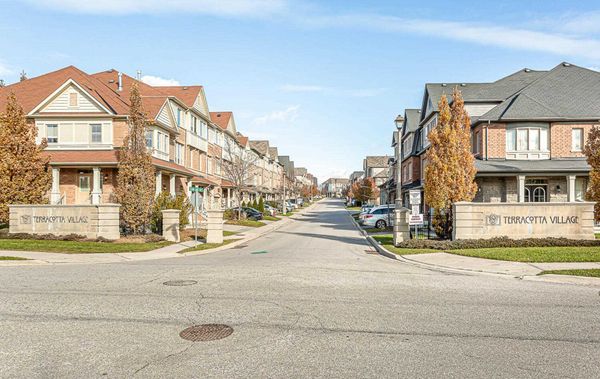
x: 24, y: 174
x: 135, y: 178
x: 450, y: 171
x: 592, y: 152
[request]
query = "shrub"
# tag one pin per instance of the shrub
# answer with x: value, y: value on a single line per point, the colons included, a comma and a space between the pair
x: 495, y: 242
x: 261, y: 205
x: 165, y: 201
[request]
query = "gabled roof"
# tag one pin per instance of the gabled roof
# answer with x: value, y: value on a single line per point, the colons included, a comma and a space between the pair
x: 243, y: 140
x: 481, y: 92
x: 567, y: 92
x: 31, y: 92
x: 260, y: 146
x: 273, y: 152
x: 411, y: 120
x: 377, y: 161
x: 221, y: 119
x: 187, y: 94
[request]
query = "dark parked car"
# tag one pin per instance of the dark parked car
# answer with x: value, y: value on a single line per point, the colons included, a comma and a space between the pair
x: 252, y: 214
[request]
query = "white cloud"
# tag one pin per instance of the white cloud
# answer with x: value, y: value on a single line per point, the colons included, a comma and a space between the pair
x: 214, y: 7
x: 481, y: 34
x: 158, y: 81
x: 288, y: 115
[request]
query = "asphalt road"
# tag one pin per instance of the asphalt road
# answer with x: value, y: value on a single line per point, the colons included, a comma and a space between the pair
x: 311, y: 303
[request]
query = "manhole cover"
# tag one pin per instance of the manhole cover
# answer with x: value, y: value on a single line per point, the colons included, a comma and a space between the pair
x: 178, y: 283
x: 206, y: 332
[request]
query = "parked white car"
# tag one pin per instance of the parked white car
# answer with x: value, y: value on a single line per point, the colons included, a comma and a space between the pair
x: 379, y: 217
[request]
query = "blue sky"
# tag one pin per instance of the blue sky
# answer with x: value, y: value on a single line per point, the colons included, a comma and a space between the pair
x: 323, y: 81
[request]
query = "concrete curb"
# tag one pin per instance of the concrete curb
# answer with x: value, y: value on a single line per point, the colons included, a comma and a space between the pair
x: 554, y: 279
x: 148, y: 255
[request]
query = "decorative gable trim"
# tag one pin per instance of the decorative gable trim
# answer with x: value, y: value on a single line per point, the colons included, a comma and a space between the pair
x: 61, y: 89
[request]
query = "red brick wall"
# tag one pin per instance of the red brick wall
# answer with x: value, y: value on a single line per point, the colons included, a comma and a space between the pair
x: 496, y: 140
x: 560, y: 139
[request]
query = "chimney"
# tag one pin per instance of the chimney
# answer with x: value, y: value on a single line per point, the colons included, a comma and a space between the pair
x: 120, y: 82
x: 139, y: 75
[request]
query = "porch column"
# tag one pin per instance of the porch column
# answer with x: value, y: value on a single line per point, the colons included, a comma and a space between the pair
x: 521, y: 188
x: 55, y: 191
x: 96, y: 190
x: 228, y: 197
x: 571, y: 188
x: 172, y: 185
x: 158, y: 182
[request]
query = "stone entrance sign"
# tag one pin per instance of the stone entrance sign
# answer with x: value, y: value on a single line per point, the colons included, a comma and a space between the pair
x: 214, y: 226
x: 523, y: 220
x: 92, y: 221
x: 170, y: 225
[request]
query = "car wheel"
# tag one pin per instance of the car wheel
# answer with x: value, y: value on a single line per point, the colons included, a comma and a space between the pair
x: 380, y: 224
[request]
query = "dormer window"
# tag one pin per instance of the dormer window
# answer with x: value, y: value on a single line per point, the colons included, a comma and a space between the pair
x: 73, y: 99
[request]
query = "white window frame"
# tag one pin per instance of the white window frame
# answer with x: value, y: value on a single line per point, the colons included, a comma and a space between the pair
x: 577, y: 140
x: 48, y: 136
x: 92, y: 126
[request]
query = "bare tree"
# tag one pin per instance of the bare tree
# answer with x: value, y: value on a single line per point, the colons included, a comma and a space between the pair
x: 239, y: 168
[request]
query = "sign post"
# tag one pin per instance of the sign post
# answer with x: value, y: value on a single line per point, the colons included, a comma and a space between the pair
x: 416, y: 218
x: 196, y: 191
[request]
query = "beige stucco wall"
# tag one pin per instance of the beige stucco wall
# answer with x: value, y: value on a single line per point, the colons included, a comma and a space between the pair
x: 523, y: 220
x: 92, y: 221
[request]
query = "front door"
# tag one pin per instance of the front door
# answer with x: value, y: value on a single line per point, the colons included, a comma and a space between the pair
x: 84, y: 189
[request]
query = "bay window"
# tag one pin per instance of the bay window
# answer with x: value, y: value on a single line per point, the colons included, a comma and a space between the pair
x: 527, y: 141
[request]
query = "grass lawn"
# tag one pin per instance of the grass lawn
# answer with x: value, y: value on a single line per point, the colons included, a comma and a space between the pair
x: 593, y: 272
x: 77, y: 247
x: 377, y: 230
x: 287, y: 214
x: 5, y: 258
x: 271, y: 218
x: 534, y: 254
x: 206, y: 246
x: 387, y: 241
x: 356, y: 209
x: 597, y: 236
x: 250, y: 223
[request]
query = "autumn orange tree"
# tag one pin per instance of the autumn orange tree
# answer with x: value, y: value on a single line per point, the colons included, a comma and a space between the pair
x: 450, y: 171
x: 364, y: 190
x: 135, y: 178
x: 24, y: 173
x: 592, y: 152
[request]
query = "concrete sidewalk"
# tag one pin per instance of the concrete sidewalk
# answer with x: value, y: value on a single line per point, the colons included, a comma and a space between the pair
x: 172, y: 251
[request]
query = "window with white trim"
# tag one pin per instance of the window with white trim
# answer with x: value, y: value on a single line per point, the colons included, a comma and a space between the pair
x: 149, y: 138
x: 178, y: 116
x: 407, y: 146
x: 426, y: 129
x: 194, y: 124
x: 576, y: 139
x: 52, y: 133
x: 203, y: 129
x: 178, y: 153
x: 96, y: 132
x: 527, y: 138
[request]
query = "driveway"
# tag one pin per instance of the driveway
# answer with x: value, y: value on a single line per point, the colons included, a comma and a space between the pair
x: 308, y: 300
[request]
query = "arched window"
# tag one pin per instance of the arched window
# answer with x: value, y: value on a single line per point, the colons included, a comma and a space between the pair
x: 527, y: 195
x: 539, y: 195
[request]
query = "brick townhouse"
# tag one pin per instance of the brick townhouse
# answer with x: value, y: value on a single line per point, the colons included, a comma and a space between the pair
x: 528, y: 132
x: 84, y: 119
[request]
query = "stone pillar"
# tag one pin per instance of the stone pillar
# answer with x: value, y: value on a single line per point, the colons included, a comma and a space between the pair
x: 55, y: 191
x: 96, y: 187
x: 158, y: 182
x: 401, y: 227
x: 521, y: 188
x: 214, y: 226
x: 571, y: 188
x: 172, y: 191
x: 170, y: 227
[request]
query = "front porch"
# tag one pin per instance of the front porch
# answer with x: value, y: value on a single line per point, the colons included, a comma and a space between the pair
x: 531, y: 188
